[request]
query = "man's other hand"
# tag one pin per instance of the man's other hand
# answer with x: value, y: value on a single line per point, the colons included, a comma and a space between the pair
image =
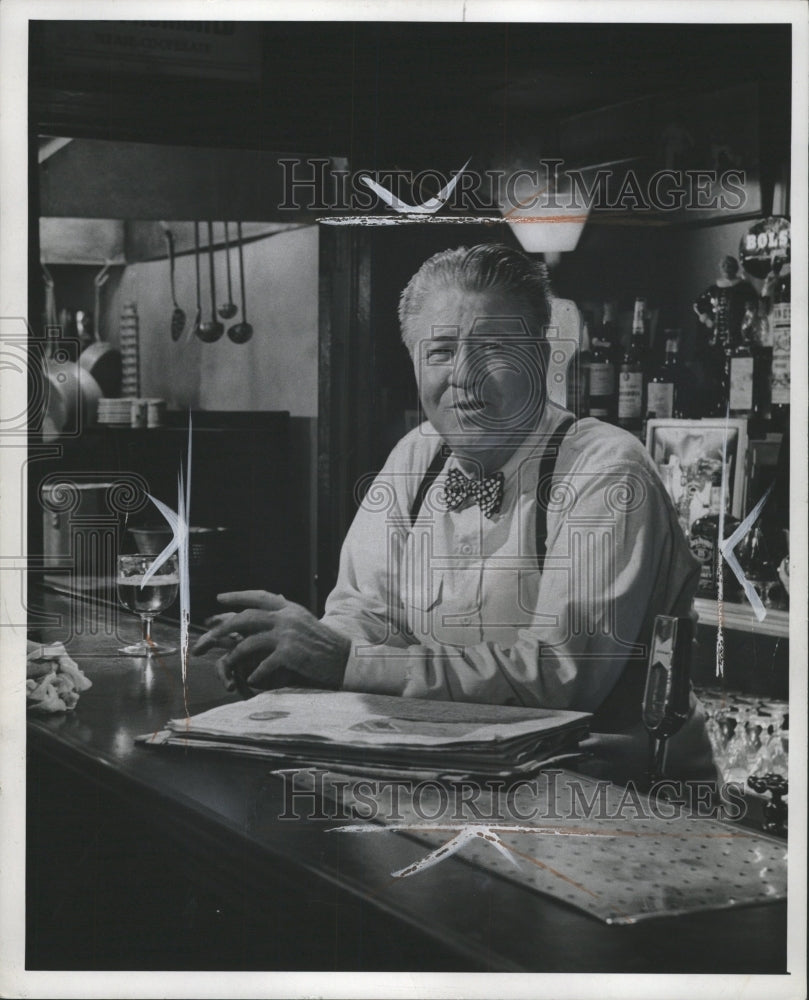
x: 268, y: 638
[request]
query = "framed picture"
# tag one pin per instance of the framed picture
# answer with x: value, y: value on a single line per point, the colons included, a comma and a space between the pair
x: 715, y: 135
x: 691, y: 455
x: 607, y: 134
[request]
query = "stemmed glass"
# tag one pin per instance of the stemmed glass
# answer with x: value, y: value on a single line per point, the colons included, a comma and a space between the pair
x: 147, y: 601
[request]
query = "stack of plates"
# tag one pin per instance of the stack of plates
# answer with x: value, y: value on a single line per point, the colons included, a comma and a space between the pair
x: 130, y: 367
x: 115, y: 412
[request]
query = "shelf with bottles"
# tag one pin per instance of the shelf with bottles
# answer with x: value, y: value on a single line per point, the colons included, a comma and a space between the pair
x: 736, y: 362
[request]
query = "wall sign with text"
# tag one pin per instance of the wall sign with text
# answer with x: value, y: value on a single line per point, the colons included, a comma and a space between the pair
x: 220, y: 49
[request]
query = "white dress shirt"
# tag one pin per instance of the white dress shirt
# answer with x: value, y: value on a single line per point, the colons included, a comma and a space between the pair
x: 455, y: 606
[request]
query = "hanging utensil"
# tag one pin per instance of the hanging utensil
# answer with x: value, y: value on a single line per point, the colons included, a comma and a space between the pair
x: 177, y: 316
x: 241, y: 332
x: 50, y: 296
x: 51, y: 327
x: 51, y: 319
x: 84, y: 328
x: 198, y: 316
x: 72, y: 394
x: 67, y: 324
x: 98, y: 283
x: 212, y: 329
x: 102, y: 360
x: 228, y: 309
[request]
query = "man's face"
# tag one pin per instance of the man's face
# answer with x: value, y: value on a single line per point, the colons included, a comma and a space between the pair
x: 479, y: 369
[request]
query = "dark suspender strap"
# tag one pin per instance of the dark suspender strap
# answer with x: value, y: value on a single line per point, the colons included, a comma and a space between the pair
x: 437, y: 464
x: 547, y: 464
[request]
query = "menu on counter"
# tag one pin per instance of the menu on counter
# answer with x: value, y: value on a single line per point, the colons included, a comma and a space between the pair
x: 379, y: 733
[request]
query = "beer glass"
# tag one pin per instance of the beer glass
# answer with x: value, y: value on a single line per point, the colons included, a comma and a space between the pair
x: 147, y: 600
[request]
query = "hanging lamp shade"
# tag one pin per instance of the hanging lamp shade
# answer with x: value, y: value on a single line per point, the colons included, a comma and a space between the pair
x: 547, y: 216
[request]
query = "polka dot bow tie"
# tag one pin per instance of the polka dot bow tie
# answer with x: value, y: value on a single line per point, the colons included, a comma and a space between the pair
x: 487, y: 493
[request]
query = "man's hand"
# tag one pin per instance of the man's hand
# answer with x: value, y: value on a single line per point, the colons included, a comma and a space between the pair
x: 268, y: 637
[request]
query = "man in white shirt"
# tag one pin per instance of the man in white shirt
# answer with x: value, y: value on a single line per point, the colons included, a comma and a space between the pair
x: 505, y: 553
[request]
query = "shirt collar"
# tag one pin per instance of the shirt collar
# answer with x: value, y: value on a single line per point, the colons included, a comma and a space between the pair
x: 532, y: 445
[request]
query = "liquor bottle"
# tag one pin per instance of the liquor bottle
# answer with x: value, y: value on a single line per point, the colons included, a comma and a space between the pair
x: 578, y: 375
x: 722, y: 350
x: 630, y: 378
x: 84, y: 328
x: 754, y: 559
x: 780, y: 324
x: 740, y: 377
x: 756, y: 330
x: 610, y: 334
x: 705, y: 545
x: 662, y: 390
x: 602, y: 375
x: 714, y: 357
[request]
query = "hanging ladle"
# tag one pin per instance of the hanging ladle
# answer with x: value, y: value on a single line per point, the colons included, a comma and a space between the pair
x: 177, y: 316
x: 228, y: 309
x: 241, y: 332
x: 213, y: 329
x: 198, y: 316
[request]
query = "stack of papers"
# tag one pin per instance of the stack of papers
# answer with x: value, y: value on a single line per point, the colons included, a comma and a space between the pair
x: 366, y: 733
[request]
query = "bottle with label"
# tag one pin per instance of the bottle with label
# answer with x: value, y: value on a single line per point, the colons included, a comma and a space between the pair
x: 705, y: 545
x: 610, y: 334
x: 662, y: 390
x: 714, y: 358
x: 578, y: 375
x: 756, y: 331
x: 740, y: 378
x: 630, y: 378
x: 602, y: 375
x: 780, y: 326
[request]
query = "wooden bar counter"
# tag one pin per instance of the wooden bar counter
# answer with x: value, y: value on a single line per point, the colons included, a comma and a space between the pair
x: 169, y: 859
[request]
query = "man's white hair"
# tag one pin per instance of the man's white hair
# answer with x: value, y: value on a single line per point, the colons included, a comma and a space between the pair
x: 486, y: 267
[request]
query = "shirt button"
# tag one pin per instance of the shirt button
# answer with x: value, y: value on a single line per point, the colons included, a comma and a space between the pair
x: 466, y: 550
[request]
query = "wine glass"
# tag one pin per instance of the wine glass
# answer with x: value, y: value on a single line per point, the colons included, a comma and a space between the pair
x: 147, y: 601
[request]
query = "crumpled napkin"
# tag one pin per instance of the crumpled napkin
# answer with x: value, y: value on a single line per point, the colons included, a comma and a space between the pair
x: 54, y: 680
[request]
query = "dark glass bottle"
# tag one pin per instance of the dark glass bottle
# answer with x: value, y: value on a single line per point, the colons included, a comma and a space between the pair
x: 602, y: 375
x: 611, y: 336
x: 754, y: 559
x: 662, y: 391
x: 780, y: 324
x: 578, y: 377
x: 756, y: 330
x: 631, y: 404
x: 740, y: 377
x: 714, y: 358
x: 705, y: 546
